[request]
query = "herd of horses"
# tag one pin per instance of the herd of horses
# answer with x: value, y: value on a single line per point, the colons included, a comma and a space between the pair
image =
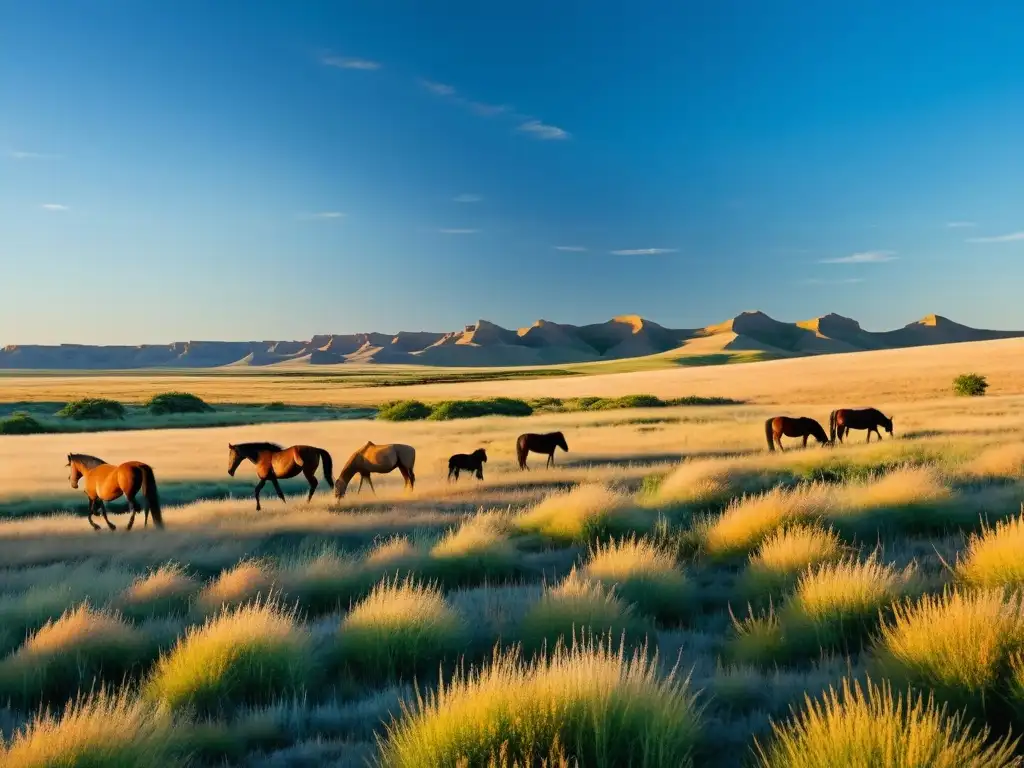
x: 108, y: 482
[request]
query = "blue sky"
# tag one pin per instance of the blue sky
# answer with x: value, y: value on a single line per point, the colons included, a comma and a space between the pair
x: 250, y: 170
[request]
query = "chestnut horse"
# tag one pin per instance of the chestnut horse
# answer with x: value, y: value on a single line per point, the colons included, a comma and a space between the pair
x: 380, y: 459
x: 274, y: 462
x: 471, y: 462
x: 106, y: 482
x: 845, y: 419
x: 793, y: 426
x: 545, y: 443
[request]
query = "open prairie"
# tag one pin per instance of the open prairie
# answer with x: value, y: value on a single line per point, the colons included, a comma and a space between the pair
x: 669, y: 593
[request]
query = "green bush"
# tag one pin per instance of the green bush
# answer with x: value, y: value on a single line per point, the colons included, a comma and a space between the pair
x: 468, y: 409
x: 21, y: 423
x: 92, y: 408
x: 177, y: 402
x: 970, y: 385
x: 403, y: 410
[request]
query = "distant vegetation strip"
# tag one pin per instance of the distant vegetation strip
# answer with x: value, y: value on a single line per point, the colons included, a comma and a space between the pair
x: 415, y: 410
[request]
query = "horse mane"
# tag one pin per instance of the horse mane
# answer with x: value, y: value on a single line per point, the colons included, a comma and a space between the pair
x: 89, y: 462
x: 479, y: 452
x: 252, y: 450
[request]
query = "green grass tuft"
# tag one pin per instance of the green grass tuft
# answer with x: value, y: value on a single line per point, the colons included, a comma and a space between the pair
x: 91, y: 408
x: 177, y: 402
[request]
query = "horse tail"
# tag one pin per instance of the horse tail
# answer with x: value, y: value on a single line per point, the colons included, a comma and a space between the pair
x: 328, y: 466
x: 768, y: 433
x: 832, y: 426
x: 521, y: 450
x: 149, y: 492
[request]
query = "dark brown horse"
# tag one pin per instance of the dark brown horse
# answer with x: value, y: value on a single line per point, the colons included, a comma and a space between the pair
x: 274, y: 462
x: 545, y: 443
x: 793, y: 426
x: 842, y: 421
x: 106, y: 482
x: 471, y: 462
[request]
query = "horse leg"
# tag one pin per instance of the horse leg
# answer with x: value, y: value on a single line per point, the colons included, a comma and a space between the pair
x: 103, y: 510
x: 550, y: 461
x: 92, y: 511
x: 805, y: 440
x: 369, y: 482
x: 133, y: 507
x: 259, y: 487
x: 313, y: 483
x: 273, y: 479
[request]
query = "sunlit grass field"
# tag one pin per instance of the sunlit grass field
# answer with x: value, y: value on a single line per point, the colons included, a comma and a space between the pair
x: 669, y: 594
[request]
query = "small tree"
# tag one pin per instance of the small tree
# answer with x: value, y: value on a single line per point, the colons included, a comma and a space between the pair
x: 970, y: 385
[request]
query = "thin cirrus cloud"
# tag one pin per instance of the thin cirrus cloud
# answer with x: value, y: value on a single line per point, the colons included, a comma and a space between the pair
x: 438, y: 89
x: 347, y: 62
x: 961, y: 224
x: 468, y: 197
x: 17, y: 154
x: 543, y: 131
x: 458, y: 231
x: 571, y: 248
x: 864, y: 257
x: 643, y: 251
x: 54, y: 207
x: 824, y: 281
x: 322, y: 215
x: 1010, y: 238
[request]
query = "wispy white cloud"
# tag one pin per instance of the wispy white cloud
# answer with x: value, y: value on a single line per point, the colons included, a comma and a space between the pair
x: 821, y: 281
x: 322, y: 215
x: 571, y: 248
x: 864, y: 257
x: 488, y: 110
x: 960, y: 224
x: 1010, y: 238
x: 54, y: 207
x: 458, y: 231
x: 438, y: 89
x: 344, y: 62
x: 643, y: 251
x: 540, y: 130
x: 17, y: 154
x: 468, y: 197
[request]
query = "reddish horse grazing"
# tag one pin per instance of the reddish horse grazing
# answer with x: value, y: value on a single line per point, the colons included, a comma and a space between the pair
x: 545, y: 443
x: 274, y: 462
x: 845, y: 419
x: 793, y: 426
x: 106, y: 482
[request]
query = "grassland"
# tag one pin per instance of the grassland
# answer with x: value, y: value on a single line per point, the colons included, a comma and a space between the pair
x: 669, y: 593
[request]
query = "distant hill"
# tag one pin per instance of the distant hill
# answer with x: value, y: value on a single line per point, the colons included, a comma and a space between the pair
x: 484, y: 344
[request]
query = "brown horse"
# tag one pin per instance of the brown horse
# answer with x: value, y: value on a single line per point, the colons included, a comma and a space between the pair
x: 793, y: 426
x: 106, y: 482
x: 380, y: 459
x: 471, y: 462
x: 274, y: 462
x: 543, y: 443
x: 845, y: 419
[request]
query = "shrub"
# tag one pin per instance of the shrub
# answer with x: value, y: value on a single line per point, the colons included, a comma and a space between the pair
x: 577, y: 604
x: 177, y: 402
x: 959, y: 644
x: 877, y: 729
x: 587, y: 705
x: 21, y: 423
x: 164, y: 591
x: 786, y: 553
x: 403, y: 410
x: 970, y: 385
x: 92, y: 408
x: 642, y: 574
x: 248, y: 655
x: 69, y: 653
x: 996, y: 557
x: 468, y: 409
x: 399, y: 630
x: 104, y: 729
x: 582, y: 514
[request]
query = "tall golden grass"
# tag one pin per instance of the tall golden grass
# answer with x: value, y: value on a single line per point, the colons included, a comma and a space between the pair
x: 872, y: 727
x: 247, y: 580
x: 643, y: 574
x: 995, y: 557
x: 784, y: 554
x: 583, y: 514
x: 589, y: 702
x: 164, y: 590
